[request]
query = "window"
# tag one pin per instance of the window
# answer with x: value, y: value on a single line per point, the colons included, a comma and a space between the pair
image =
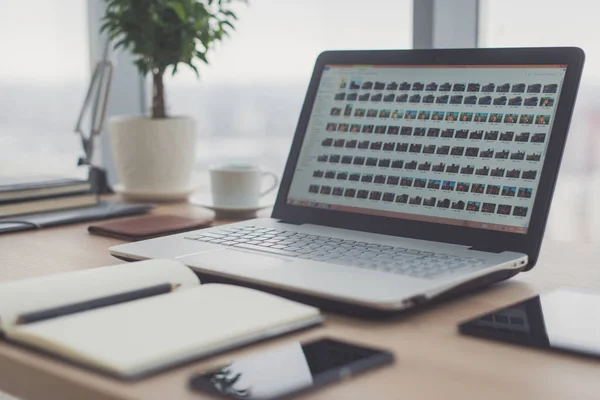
x: 574, y: 214
x: 248, y: 100
x: 43, y: 77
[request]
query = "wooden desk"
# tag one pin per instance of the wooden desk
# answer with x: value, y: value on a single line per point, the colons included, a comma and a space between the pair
x: 433, y: 361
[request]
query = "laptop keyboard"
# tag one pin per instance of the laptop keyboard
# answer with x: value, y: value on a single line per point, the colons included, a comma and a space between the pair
x: 371, y: 256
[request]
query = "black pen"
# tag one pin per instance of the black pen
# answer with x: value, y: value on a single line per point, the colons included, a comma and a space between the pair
x: 49, y: 313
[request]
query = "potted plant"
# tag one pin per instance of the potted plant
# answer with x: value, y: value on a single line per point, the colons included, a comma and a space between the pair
x: 155, y: 154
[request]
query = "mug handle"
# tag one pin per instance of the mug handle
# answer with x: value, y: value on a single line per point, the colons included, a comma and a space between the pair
x: 273, y: 185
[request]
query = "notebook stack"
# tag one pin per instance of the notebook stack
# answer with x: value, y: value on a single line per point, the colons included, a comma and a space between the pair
x: 42, y: 194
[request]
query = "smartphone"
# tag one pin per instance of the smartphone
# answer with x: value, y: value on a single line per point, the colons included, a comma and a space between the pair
x: 289, y: 369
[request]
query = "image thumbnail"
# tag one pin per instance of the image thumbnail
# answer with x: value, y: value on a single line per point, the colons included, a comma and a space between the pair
x: 359, y: 112
x: 343, y: 127
x: 488, y: 88
x: 397, y: 114
x: 342, y: 83
x: 445, y: 87
x: 485, y: 101
x: 500, y: 101
x: 518, y: 88
x: 338, y: 191
x: 391, y: 86
x: 504, y: 209
x: 355, y: 128
x: 402, y: 198
x: 462, y: 134
x: 418, y: 86
x: 538, y: 138
x: 437, y: 115
x: 491, y: 135
x: 352, y: 96
x: 433, y: 132
x: 522, y: 137
x: 520, y: 211
x: 553, y: 88
x: 481, y: 117
x: 442, y: 99
x: 542, y: 119
x: 424, y: 115
x: 467, y: 170
x: 415, y: 200
x: 406, y: 181
x: 429, y: 99
x: 350, y: 193
x: 493, y: 190
x: 406, y: 131
x: 497, y: 172
x: 431, y: 87
x: 488, y: 208
x: 411, y: 114
x: 325, y: 190
x: 420, y: 183
x: 434, y: 184
x: 335, y: 111
x: 404, y: 86
x: 513, y: 173
x: 355, y: 83
x: 340, y: 96
x: 420, y: 131
x: 510, y: 191
x: 372, y: 113
x: 331, y: 127
x: 443, y: 203
x: 473, y: 87
x: 415, y: 98
x: 546, y: 102
x: 466, y: 117
x: 458, y: 205
x: 525, y: 193
x: 534, y: 88
x: 459, y: 87
x: 478, y: 188
x: 348, y: 110
x: 526, y: 119
x: 504, y: 88
x: 448, y: 185
x: 380, y: 129
x: 470, y: 100
x: 443, y: 150
x: 379, y: 85
x: 451, y: 116
x: 462, y: 187
x: 377, y: 97
x: 476, y: 135
x: 384, y: 113
x: 364, y: 97
x: 473, y: 205
x: 515, y: 101
x: 507, y: 136
x: 531, y: 102
x: 388, y: 196
x: 429, y: 202
x: 448, y: 133
x: 456, y: 99
x: 403, y: 98
x: 389, y: 98
x: 368, y: 128
x: 511, y: 118
x: 393, y: 130
x: 489, y: 153
x: 495, y: 117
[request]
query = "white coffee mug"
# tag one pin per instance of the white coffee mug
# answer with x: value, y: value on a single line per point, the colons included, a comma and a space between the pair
x: 238, y: 185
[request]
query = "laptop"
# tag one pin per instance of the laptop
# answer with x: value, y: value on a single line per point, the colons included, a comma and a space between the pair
x: 412, y: 175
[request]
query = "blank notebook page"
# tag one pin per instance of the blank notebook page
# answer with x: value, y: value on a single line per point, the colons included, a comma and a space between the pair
x: 134, y: 337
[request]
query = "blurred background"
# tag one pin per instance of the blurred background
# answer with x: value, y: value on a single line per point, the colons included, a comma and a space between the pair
x: 248, y: 100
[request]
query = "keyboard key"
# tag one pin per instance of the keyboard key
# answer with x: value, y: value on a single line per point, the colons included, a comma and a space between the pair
x: 271, y: 250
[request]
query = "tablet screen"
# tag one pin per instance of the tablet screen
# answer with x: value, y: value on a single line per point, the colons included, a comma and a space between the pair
x: 566, y: 320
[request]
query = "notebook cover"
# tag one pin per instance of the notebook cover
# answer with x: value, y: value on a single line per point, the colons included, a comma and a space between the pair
x: 104, y: 210
x: 147, y: 227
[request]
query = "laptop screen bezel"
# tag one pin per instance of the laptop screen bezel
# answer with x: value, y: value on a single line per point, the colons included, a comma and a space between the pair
x: 528, y: 243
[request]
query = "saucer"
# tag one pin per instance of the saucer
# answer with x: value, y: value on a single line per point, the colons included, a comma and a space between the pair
x: 205, y: 200
x: 143, y: 195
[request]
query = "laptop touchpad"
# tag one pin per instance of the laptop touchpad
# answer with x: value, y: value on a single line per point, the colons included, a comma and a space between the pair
x: 234, y: 261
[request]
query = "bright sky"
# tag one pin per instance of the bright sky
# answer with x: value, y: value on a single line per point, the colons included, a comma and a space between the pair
x: 278, y: 40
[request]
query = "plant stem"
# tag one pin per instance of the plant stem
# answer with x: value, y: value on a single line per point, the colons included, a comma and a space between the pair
x: 158, y: 94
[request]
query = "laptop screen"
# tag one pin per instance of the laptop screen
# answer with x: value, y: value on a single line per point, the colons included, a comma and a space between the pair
x: 457, y: 144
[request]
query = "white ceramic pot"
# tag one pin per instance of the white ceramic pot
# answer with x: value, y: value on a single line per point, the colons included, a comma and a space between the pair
x: 154, y: 156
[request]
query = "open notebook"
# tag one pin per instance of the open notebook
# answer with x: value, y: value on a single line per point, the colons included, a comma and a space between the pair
x: 138, y: 337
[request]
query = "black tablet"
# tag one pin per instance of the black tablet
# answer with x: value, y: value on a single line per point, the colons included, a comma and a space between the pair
x: 563, y: 320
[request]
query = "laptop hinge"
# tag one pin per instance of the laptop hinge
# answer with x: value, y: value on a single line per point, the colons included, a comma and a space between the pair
x: 487, y: 249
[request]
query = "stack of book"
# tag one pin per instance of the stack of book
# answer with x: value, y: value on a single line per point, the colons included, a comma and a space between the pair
x: 42, y: 194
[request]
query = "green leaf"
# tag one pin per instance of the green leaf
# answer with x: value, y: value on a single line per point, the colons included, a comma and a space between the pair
x: 179, y: 9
